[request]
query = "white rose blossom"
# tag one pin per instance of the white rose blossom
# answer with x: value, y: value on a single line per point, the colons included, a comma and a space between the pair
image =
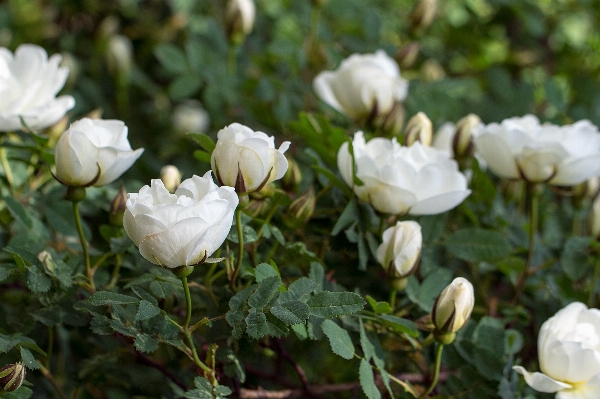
x: 418, y: 180
x: 569, y: 354
x: 93, y: 148
x: 363, y: 85
x: 522, y: 148
x: 29, y: 82
x: 180, y: 229
x: 401, y: 248
x: 247, y: 160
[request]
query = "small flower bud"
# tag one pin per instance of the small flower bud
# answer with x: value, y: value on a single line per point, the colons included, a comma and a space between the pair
x: 119, y: 55
x: 423, y: 14
x: 301, y: 209
x: 407, y: 55
x: 239, y: 19
x: 452, y: 308
x: 117, y: 208
x: 46, y: 258
x: 595, y: 218
x: 432, y: 71
x: 171, y: 177
x: 257, y: 207
x: 393, y: 121
x: 292, y: 178
x: 190, y: 117
x: 462, y: 144
x: 12, y: 376
x: 419, y: 128
x: 400, y: 250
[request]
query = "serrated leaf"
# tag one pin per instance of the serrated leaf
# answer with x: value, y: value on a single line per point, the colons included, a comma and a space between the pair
x: 256, y: 324
x: 100, y: 324
x: 478, y: 245
x: 146, y: 311
x: 263, y: 271
x: 339, y: 339
x: 237, y: 320
x: 18, y: 211
x: 265, y: 293
x: 143, y: 294
x: 37, y: 281
x: 28, y: 359
x: 145, y: 343
x: 367, y: 380
x: 333, y: 304
x: 301, y: 287
x: 317, y: 274
x: 275, y: 327
x: 277, y: 234
x: 365, y: 343
x: 101, y: 298
x: 294, y: 312
x: 237, y: 301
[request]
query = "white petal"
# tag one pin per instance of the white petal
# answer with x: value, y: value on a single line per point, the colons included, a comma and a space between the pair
x: 541, y: 382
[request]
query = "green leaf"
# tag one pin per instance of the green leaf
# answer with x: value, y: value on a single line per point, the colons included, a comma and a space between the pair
x: 300, y: 289
x: 424, y: 294
x: 339, y: 183
x: 267, y: 290
x: 367, y: 380
x: 478, y: 245
x: 339, y: 339
x: 18, y: 211
x: 101, y: 298
x: 146, y: 311
x: 575, y: 258
x: 184, y: 86
x: 22, y: 393
x: 5, y: 271
x: 171, y: 57
x: 349, y: 216
x: 237, y: 320
x: 365, y: 343
x: 294, y: 312
x: 275, y: 327
x: 37, y: 281
x: 379, y: 307
x: 29, y: 360
x: 317, y: 274
x: 256, y: 324
x: 143, y: 294
x: 324, y: 138
x: 202, y: 156
x: 203, y: 140
x: 248, y: 233
x: 333, y: 304
x: 119, y: 245
x: 237, y: 301
x: 145, y: 343
x: 399, y: 324
x: 263, y: 271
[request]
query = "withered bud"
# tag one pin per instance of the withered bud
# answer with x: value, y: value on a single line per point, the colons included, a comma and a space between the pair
x: 12, y: 376
x: 423, y: 14
x: 407, y: 56
x: 301, y: 209
x: 117, y: 208
x: 419, y: 128
x: 171, y: 177
x: 462, y: 144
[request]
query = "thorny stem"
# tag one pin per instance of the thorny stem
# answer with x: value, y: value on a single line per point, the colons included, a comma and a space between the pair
x: 86, y: 257
x: 188, y: 333
x: 436, y: 372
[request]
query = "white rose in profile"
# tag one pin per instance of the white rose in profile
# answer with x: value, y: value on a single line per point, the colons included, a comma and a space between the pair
x: 364, y: 85
x: 93, y: 148
x: 247, y: 160
x: 569, y: 354
x: 522, y: 148
x: 418, y: 180
x: 29, y: 82
x: 180, y: 229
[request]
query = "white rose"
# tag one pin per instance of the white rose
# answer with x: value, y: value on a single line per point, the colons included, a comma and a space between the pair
x: 401, y: 247
x: 180, y: 229
x: 29, y: 82
x: 453, y: 306
x: 419, y: 180
x: 522, y: 148
x: 569, y: 354
x: 363, y: 85
x: 91, y: 147
x: 247, y: 160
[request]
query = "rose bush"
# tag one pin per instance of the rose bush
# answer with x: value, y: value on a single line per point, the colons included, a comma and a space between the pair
x: 363, y: 85
x: 29, y: 83
x: 247, y: 160
x: 93, y: 148
x: 180, y: 229
x: 418, y: 180
x: 569, y: 354
x: 522, y: 148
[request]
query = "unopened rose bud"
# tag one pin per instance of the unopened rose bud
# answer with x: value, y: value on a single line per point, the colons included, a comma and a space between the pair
x: 423, y: 14
x: 392, y: 123
x: 452, y: 309
x: 419, y: 128
x: 46, y: 258
x: 401, y: 248
x: 292, y: 178
x: 595, y: 218
x: 586, y: 191
x: 119, y: 55
x: 301, y: 209
x: 462, y: 144
x: 257, y: 208
x: 407, y: 55
x: 117, y: 208
x: 239, y: 19
x: 171, y: 177
x: 432, y: 71
x: 190, y: 117
x: 12, y: 376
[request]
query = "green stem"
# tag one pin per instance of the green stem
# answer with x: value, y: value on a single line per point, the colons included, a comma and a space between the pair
x: 436, y: 372
x: 115, y: 273
x: 86, y: 257
x: 592, y: 297
x: 186, y: 329
x: 238, y: 262
x: 7, y: 170
x: 232, y: 58
x: 50, y: 347
x: 393, y: 294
